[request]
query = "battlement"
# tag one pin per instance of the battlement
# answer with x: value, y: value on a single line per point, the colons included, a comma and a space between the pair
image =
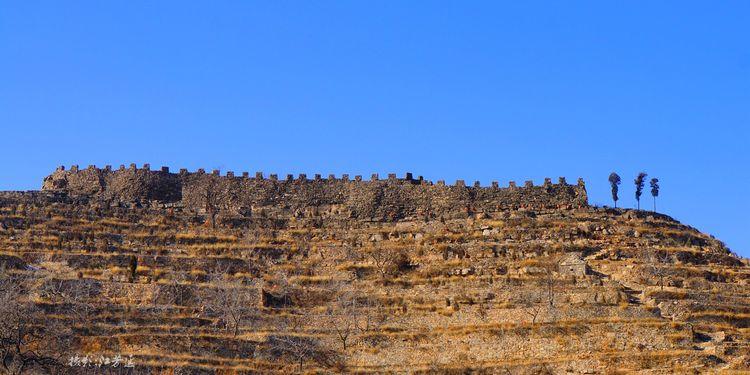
x: 405, y: 194
x: 302, y: 177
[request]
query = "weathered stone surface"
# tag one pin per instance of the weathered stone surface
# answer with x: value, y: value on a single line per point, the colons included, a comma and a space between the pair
x: 391, y: 200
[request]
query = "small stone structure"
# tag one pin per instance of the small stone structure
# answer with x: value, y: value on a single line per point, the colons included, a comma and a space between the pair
x: 572, y: 264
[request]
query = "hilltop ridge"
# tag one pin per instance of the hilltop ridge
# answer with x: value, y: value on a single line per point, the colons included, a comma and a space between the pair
x: 196, y: 273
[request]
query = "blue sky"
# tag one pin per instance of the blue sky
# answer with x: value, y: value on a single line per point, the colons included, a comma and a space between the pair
x: 471, y: 90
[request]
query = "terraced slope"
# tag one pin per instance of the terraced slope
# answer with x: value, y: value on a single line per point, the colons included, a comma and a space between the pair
x: 581, y: 290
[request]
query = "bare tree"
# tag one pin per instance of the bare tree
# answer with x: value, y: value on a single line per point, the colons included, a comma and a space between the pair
x: 344, y: 317
x: 279, y: 288
x: 79, y: 294
x: 298, y: 345
x: 658, y: 264
x: 549, y: 283
x: 614, y: 182
x: 639, y: 182
x: 482, y: 308
x: 542, y: 299
x: 533, y: 306
x: 53, y: 290
x: 375, y: 316
x: 175, y: 290
x: 299, y: 348
x: 29, y: 341
x: 233, y: 302
x: 302, y: 240
x: 388, y: 261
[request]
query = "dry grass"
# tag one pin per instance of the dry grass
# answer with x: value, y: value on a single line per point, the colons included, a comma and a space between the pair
x: 417, y: 324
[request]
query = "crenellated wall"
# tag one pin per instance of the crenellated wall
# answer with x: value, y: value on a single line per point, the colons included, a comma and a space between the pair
x: 391, y: 198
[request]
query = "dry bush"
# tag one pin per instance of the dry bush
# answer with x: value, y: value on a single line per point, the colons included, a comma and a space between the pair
x: 389, y: 261
x: 176, y: 290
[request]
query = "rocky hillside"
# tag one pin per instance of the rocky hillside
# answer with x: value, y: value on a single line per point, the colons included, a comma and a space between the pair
x: 92, y: 287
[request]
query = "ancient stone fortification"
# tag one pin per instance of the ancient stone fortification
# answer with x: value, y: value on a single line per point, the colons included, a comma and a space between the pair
x: 392, y: 198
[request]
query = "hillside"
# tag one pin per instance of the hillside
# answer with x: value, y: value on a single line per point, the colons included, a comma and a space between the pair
x: 201, y: 273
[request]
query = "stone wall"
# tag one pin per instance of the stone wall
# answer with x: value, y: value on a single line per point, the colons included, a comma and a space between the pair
x: 391, y: 198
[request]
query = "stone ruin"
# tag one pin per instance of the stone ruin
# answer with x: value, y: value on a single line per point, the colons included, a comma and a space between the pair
x: 387, y: 199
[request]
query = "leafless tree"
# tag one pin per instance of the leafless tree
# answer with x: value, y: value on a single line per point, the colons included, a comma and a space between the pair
x: 549, y: 281
x: 79, y: 294
x: 482, y: 308
x: 234, y: 303
x: 658, y: 264
x: 376, y: 315
x: 388, y: 261
x: 344, y: 316
x: 299, y: 346
x: 533, y: 306
x: 174, y: 291
x: 280, y: 284
x: 373, y: 317
x: 542, y: 299
x: 549, y: 284
x: 303, y: 240
x: 29, y: 342
x: 53, y: 290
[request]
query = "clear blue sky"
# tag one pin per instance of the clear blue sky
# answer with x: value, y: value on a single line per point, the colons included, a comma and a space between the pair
x: 472, y: 90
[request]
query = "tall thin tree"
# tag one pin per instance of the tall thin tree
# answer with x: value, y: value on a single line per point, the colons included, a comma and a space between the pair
x: 639, y: 182
x: 614, y: 181
x: 655, y: 190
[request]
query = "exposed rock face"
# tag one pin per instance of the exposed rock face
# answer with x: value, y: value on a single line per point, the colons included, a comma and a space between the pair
x: 389, y: 199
